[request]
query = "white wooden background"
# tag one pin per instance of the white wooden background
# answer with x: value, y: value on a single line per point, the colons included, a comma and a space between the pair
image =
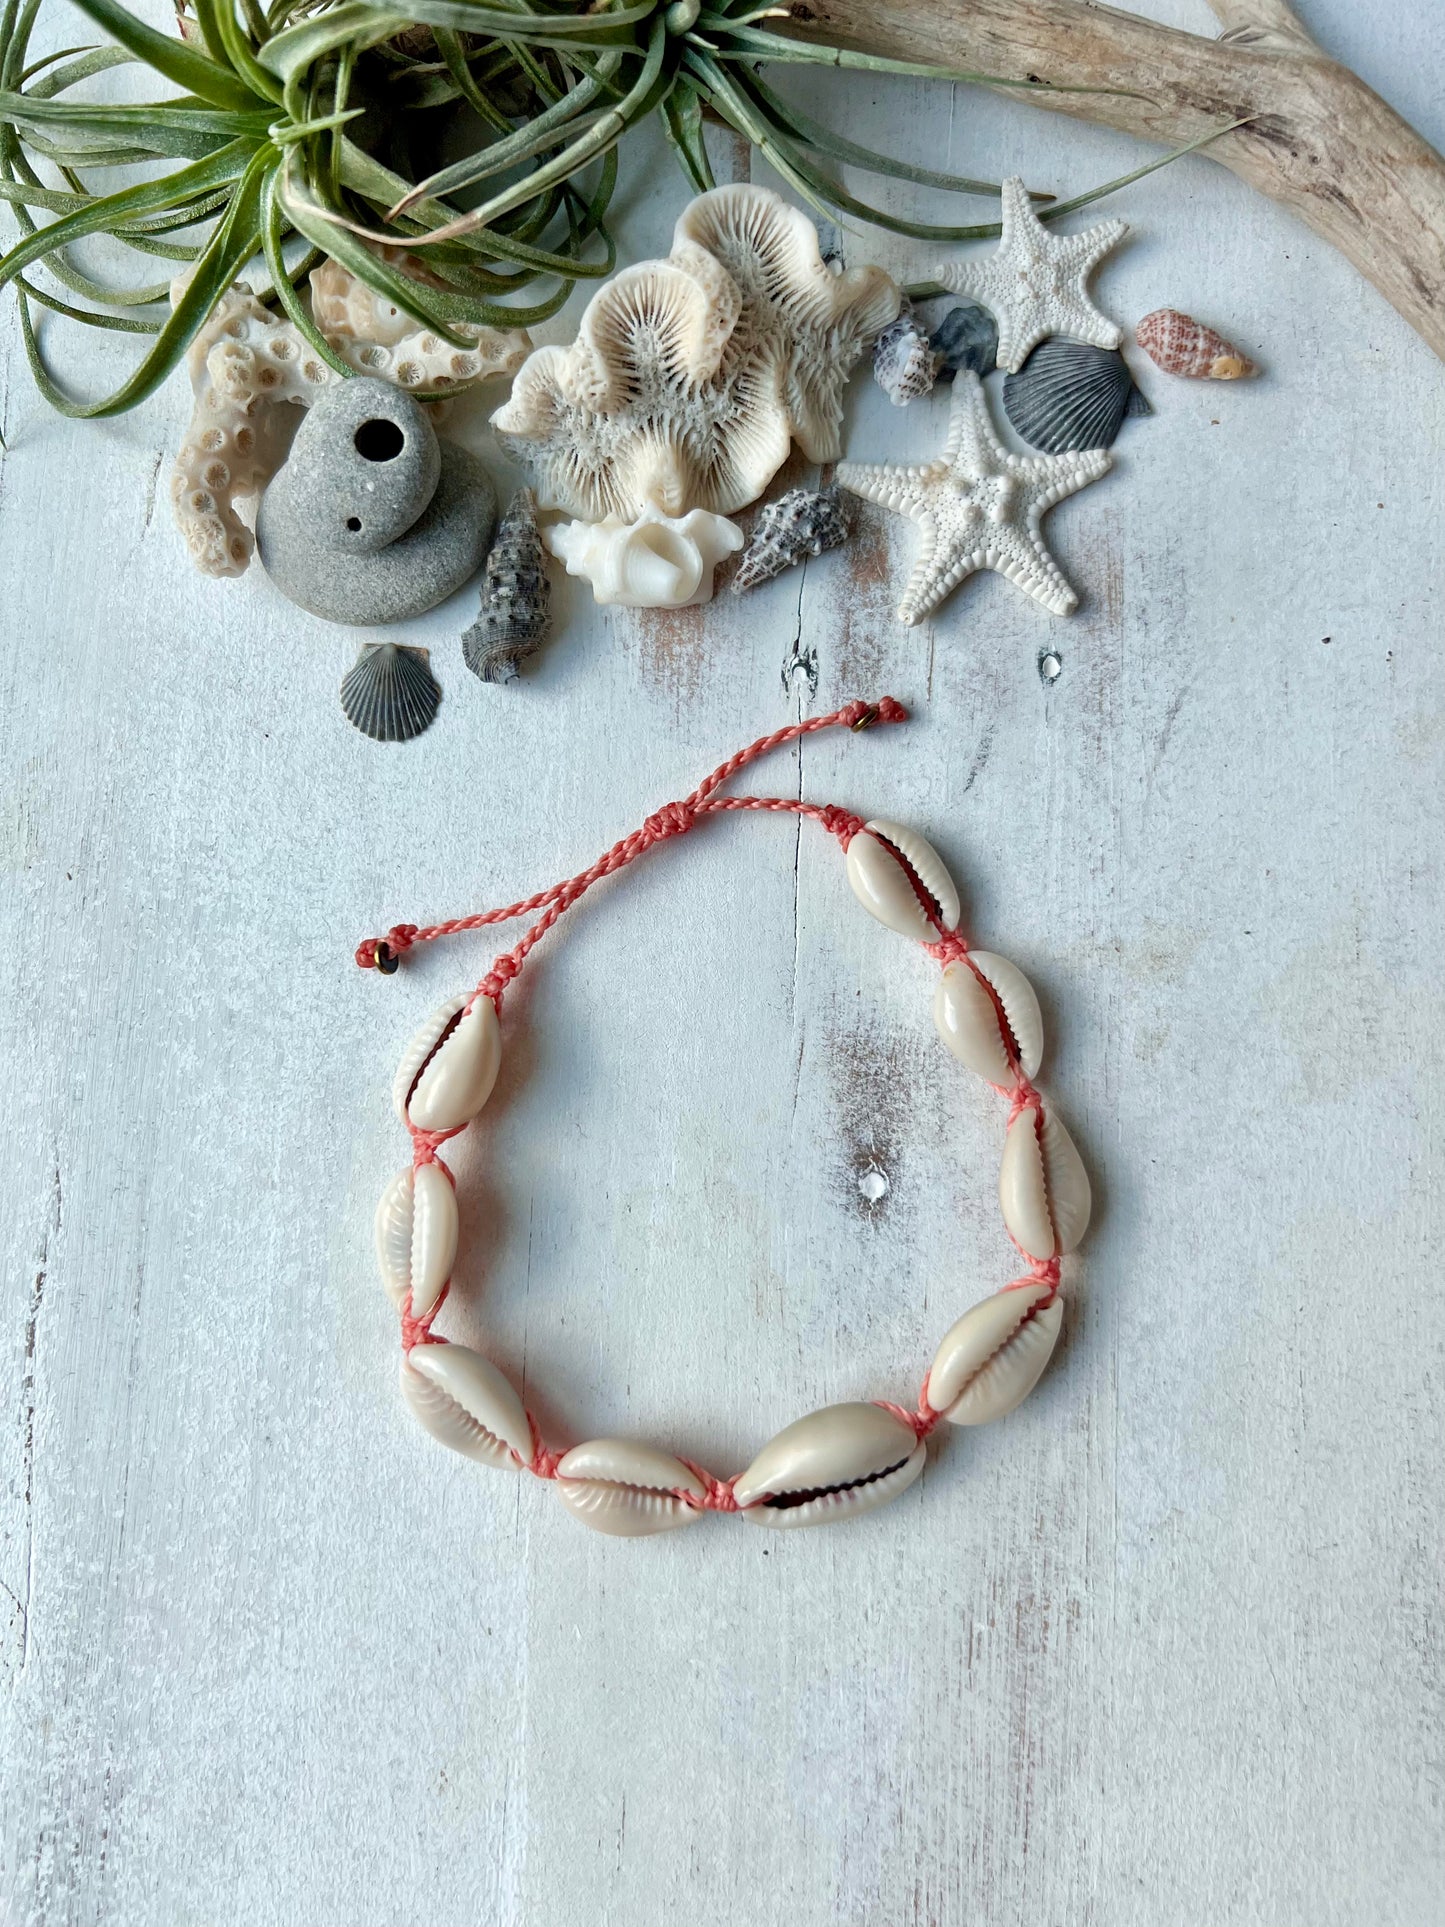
x: 1164, y: 1648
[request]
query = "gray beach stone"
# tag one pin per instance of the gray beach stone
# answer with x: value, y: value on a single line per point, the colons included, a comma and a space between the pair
x: 372, y: 519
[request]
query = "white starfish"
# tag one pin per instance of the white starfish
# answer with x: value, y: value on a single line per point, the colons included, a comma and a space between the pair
x: 979, y: 507
x: 1035, y: 285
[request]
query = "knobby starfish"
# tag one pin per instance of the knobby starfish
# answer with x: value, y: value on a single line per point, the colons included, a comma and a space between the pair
x: 1035, y: 285
x: 979, y: 507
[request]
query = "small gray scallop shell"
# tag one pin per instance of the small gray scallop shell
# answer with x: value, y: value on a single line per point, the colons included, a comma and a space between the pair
x: 516, y: 596
x: 1068, y: 396
x: 389, y: 693
x: 802, y: 523
x: 967, y: 337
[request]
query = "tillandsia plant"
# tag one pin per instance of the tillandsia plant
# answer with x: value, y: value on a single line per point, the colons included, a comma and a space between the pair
x: 306, y: 130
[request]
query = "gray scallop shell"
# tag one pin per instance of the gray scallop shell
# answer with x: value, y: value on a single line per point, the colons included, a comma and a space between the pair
x: 802, y: 523
x: 516, y: 596
x: 905, y: 363
x: 1069, y: 395
x: 967, y: 337
x: 389, y: 693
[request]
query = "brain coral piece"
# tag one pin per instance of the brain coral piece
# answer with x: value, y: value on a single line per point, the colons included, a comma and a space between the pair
x: 690, y: 376
x: 245, y: 358
x: 820, y: 318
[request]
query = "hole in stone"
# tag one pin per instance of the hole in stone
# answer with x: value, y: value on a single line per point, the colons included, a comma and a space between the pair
x: 353, y: 522
x: 379, y: 440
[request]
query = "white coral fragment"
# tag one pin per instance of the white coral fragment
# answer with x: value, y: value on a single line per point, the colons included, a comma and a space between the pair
x: 656, y: 561
x: 690, y: 377
x: 245, y: 358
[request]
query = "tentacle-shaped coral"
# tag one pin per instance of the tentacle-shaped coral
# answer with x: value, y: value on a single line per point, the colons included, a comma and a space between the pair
x: 378, y: 338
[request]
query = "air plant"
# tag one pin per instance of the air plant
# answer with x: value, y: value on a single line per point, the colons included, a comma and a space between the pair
x: 303, y: 131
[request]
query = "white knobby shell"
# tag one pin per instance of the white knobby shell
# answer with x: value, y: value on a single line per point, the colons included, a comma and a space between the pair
x: 988, y: 1016
x: 992, y: 1358
x: 900, y: 878
x: 830, y: 1465
x: 1043, y: 1188
x: 448, y: 1069
x: 463, y: 1400
x: 628, y: 1490
x: 416, y: 1236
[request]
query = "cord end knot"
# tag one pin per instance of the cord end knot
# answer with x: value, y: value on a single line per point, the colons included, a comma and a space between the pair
x: 673, y: 819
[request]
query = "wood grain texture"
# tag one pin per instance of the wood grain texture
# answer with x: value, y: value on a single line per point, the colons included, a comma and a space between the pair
x: 1162, y: 1648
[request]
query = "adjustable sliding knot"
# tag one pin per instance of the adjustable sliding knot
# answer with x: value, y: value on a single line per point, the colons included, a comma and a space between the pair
x: 673, y: 819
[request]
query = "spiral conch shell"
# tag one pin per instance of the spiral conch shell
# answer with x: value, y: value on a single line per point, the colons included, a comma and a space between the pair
x: 690, y: 376
x: 831, y: 1465
x: 627, y: 1489
x: 1180, y: 345
x: 994, y: 1356
x: 656, y: 561
x: 245, y: 358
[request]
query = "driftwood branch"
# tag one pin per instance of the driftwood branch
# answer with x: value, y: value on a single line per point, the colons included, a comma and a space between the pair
x: 1319, y: 141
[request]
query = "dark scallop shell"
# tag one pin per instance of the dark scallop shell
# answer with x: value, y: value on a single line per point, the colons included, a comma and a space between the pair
x: 389, y: 693
x: 1069, y: 395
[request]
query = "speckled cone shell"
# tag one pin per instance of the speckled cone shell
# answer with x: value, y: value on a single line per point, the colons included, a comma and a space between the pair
x: 626, y: 1489
x: 448, y: 1069
x: 898, y: 877
x: 994, y: 1356
x: 984, y: 1022
x: 463, y: 1400
x: 831, y: 1465
x: 416, y: 1236
x: 1043, y: 1188
x: 1180, y: 345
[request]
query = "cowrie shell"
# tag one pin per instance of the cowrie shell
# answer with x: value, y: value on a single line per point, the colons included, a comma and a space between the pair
x: 1043, y: 1188
x: 463, y: 1400
x: 626, y: 1489
x: 448, y: 1069
x: 993, y: 1357
x: 416, y: 1237
x: 887, y: 866
x: 980, y: 1028
x: 842, y: 1460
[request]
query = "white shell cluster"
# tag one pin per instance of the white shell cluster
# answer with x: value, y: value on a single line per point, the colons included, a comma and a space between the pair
x: 843, y: 1460
x: 656, y: 561
x: 691, y: 376
x: 245, y: 358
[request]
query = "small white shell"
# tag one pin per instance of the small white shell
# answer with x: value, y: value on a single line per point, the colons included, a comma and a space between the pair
x: 626, y: 1489
x: 448, y: 1069
x: 830, y: 1465
x: 1043, y: 1188
x: 992, y: 1358
x: 464, y: 1401
x: 888, y: 864
x: 970, y: 1020
x: 416, y: 1236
